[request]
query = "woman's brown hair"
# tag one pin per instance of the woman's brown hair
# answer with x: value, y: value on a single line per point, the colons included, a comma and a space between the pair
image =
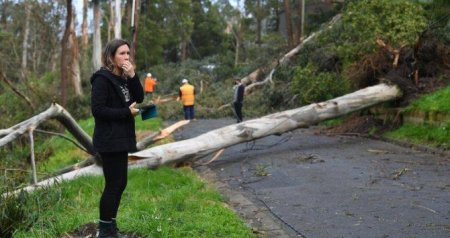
x: 108, y: 54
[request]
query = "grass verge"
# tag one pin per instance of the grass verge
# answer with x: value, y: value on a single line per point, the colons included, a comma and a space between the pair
x: 156, y: 203
x: 436, y: 136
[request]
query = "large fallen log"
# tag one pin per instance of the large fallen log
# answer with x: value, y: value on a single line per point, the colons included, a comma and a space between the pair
x: 276, y: 123
x: 224, y: 137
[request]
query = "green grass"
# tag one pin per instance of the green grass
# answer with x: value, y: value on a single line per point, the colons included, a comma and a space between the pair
x: 156, y: 203
x: 437, y: 101
x: 432, y: 135
x: 64, y: 153
x: 437, y: 136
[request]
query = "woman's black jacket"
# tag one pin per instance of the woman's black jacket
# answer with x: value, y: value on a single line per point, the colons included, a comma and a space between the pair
x: 111, y: 97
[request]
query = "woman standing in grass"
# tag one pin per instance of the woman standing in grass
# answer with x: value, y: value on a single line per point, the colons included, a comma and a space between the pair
x: 115, y: 90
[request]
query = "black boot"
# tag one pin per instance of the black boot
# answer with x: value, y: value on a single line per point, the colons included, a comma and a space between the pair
x: 114, y: 225
x: 107, y: 230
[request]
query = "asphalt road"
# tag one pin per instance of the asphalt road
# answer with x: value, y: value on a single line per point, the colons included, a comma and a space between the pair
x: 302, y: 184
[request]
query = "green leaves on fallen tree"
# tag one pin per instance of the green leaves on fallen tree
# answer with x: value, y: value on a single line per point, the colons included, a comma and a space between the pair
x: 397, y: 22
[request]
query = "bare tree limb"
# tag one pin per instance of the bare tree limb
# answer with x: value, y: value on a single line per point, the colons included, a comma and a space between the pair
x: 57, y: 112
x: 15, y: 90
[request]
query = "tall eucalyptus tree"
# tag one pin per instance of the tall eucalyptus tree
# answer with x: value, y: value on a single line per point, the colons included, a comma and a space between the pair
x: 96, y: 37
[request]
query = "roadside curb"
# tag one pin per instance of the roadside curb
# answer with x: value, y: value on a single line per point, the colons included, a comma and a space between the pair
x: 422, y: 148
x: 261, y: 221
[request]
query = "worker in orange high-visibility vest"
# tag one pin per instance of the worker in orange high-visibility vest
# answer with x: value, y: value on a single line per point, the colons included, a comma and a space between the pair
x: 187, y: 97
x: 149, y: 85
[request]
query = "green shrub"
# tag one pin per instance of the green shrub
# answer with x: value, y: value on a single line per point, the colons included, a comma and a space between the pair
x: 397, y: 22
x: 313, y: 86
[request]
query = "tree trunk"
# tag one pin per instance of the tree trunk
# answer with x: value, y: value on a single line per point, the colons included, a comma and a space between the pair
x: 258, y: 22
x: 65, y: 54
x: 97, y: 40
x: 302, y: 21
x: 26, y: 33
x: 74, y: 62
x: 287, y: 12
x: 135, y: 27
x: 84, y: 27
x: 238, y: 36
x: 276, y: 123
x: 183, y: 51
x: 117, y: 20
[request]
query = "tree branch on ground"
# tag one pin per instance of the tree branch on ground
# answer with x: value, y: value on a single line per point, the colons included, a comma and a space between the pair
x: 224, y: 137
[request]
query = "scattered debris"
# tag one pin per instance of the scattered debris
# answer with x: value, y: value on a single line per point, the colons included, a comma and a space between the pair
x: 312, y: 159
x: 375, y: 151
x: 399, y: 172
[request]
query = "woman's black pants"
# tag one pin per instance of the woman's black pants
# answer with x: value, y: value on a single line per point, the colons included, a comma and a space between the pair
x: 115, y: 171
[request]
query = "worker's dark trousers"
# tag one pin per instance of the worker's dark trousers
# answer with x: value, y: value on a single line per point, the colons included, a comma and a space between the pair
x: 115, y: 171
x: 238, y: 111
x: 188, y: 112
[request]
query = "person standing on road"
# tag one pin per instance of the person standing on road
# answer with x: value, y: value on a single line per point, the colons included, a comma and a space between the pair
x: 187, y: 96
x: 115, y: 91
x: 149, y: 86
x: 239, y: 90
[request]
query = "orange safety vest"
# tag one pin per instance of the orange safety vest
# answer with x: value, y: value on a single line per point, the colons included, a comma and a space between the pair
x: 187, y: 94
x: 149, y: 84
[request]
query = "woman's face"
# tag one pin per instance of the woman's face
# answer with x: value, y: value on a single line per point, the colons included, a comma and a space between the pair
x: 122, y: 55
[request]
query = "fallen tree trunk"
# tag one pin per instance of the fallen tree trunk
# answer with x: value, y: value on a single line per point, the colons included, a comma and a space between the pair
x: 221, y: 138
x: 57, y: 112
x: 277, y: 123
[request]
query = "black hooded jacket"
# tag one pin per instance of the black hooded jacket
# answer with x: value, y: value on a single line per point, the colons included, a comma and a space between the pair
x: 111, y: 97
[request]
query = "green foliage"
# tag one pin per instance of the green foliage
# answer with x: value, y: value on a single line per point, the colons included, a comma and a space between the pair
x: 437, y: 11
x: 313, y: 86
x: 397, y: 22
x: 156, y: 203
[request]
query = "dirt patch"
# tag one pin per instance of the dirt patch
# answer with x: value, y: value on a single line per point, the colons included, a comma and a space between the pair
x: 366, y: 125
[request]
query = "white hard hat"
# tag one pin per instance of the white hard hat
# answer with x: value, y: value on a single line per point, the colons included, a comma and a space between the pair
x: 184, y: 81
x: 149, y: 75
